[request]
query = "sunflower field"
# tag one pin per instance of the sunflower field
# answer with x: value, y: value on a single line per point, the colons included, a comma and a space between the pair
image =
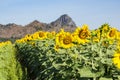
x: 80, y: 55
x: 10, y: 67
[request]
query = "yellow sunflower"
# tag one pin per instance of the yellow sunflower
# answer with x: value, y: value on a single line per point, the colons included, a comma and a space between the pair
x: 66, y: 40
x: 81, y: 34
x: 28, y: 38
x: 53, y: 33
x: 39, y: 35
x: 42, y: 35
x: 112, y: 34
x: 35, y: 36
x: 116, y: 60
x: 56, y: 47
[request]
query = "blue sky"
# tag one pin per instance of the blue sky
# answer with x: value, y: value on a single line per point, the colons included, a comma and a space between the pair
x: 91, y: 12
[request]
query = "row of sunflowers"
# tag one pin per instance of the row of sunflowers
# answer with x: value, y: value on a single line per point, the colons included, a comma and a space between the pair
x: 70, y: 56
x: 104, y: 34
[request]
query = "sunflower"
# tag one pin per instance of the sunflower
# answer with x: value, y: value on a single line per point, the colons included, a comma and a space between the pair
x: 39, y: 35
x: 112, y: 34
x: 28, y: 38
x: 66, y: 40
x: 56, y: 47
x: 35, y: 36
x: 116, y: 60
x: 42, y: 35
x: 53, y: 32
x: 81, y: 34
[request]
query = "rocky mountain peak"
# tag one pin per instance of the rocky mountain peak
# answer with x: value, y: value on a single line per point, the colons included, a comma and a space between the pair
x: 64, y: 20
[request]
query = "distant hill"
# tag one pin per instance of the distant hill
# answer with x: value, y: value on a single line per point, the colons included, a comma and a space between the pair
x: 65, y: 22
x: 14, y: 31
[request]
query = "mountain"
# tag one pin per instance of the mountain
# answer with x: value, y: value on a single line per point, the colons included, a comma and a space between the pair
x: 34, y: 26
x: 65, y: 22
x: 13, y: 30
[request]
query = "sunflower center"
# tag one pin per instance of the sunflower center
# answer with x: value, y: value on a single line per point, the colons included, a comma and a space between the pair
x: 83, y: 34
x: 28, y: 40
x: 67, y: 40
x: 112, y: 33
x: 41, y: 34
